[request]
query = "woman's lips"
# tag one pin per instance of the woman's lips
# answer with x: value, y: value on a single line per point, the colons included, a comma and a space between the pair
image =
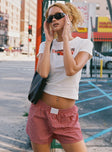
x: 55, y: 24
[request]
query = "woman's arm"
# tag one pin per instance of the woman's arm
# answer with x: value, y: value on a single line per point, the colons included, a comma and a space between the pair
x: 73, y: 65
x: 43, y: 66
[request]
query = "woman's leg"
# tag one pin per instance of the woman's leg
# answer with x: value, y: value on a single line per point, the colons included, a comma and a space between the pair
x: 75, y: 147
x: 38, y: 129
x: 40, y: 147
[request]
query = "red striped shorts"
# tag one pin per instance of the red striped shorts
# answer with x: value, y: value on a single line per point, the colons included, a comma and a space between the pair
x: 43, y: 125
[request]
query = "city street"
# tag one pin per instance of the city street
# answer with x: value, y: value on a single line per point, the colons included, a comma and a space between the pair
x: 15, y: 77
x: 95, y: 108
x: 71, y: 25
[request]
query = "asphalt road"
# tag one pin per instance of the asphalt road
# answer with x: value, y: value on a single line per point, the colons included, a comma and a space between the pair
x: 15, y: 78
x: 95, y: 112
x: 95, y: 109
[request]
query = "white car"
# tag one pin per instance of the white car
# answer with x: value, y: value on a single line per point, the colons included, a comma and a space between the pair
x: 110, y: 50
x: 97, y: 57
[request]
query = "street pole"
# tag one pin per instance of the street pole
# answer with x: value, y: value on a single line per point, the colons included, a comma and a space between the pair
x: 44, y: 8
x: 28, y: 44
x: 110, y: 8
x: 38, y: 29
x: 89, y: 37
x: 28, y: 32
x: 91, y: 19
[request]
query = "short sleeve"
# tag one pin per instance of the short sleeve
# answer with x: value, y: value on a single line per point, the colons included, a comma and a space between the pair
x: 86, y: 46
x: 41, y: 48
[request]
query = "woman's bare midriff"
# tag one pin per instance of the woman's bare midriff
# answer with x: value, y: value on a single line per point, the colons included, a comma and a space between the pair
x: 57, y: 102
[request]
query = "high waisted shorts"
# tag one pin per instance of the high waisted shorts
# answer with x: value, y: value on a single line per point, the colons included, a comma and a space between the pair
x: 46, y: 123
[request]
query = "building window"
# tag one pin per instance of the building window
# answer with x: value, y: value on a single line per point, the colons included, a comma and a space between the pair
x: 107, y: 8
x: 97, y: 6
x: 6, y: 3
x: 6, y: 11
x: 6, y: 26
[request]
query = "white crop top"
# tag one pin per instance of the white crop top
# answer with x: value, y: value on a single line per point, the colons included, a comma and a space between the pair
x: 59, y: 83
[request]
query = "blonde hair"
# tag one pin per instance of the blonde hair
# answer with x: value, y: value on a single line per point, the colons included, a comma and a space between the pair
x: 71, y: 10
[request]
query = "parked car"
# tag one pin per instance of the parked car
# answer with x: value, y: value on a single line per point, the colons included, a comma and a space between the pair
x: 16, y: 49
x: 109, y: 53
x: 97, y: 57
x: 1, y: 48
x: 110, y: 50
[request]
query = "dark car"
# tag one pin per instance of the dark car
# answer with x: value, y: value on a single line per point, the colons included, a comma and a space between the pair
x: 1, y: 48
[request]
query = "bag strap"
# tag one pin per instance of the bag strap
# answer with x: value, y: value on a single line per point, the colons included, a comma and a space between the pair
x: 51, y: 46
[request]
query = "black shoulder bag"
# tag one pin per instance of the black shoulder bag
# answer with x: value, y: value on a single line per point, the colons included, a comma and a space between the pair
x: 37, y: 86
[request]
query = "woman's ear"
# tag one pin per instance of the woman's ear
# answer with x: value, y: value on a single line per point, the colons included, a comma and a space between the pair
x: 71, y: 18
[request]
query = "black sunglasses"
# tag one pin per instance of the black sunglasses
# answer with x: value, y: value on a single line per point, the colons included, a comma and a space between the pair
x: 57, y: 16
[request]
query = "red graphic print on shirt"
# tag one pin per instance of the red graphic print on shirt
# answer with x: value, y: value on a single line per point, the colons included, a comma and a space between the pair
x: 60, y: 52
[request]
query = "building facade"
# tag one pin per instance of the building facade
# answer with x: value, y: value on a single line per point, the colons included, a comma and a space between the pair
x: 101, y: 6
x: 102, y: 32
x: 28, y: 17
x: 10, y: 10
x: 3, y: 29
x: 15, y: 16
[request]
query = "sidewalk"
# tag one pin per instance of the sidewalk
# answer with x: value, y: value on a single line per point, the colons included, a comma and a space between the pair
x: 16, y: 57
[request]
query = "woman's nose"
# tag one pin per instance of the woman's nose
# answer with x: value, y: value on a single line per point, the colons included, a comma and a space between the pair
x: 53, y: 19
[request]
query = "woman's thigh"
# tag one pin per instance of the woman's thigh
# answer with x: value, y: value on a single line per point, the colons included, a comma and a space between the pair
x: 75, y: 147
x: 40, y: 147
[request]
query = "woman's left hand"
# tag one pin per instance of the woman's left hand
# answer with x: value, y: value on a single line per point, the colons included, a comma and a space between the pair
x: 67, y: 28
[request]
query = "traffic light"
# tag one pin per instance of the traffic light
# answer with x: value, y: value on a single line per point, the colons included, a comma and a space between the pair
x: 30, y: 29
x: 29, y: 40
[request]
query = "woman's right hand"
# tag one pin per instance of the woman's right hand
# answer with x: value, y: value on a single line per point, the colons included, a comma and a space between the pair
x: 67, y: 28
x: 49, y: 33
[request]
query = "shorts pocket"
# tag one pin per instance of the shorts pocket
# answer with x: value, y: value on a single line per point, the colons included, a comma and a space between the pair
x: 37, y: 111
x: 64, y: 120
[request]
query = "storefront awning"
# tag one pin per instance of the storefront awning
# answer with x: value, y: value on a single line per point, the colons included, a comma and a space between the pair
x: 102, y: 36
x: 96, y: 36
x: 80, y: 34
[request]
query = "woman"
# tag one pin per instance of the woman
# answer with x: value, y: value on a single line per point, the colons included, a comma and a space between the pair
x: 55, y: 114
